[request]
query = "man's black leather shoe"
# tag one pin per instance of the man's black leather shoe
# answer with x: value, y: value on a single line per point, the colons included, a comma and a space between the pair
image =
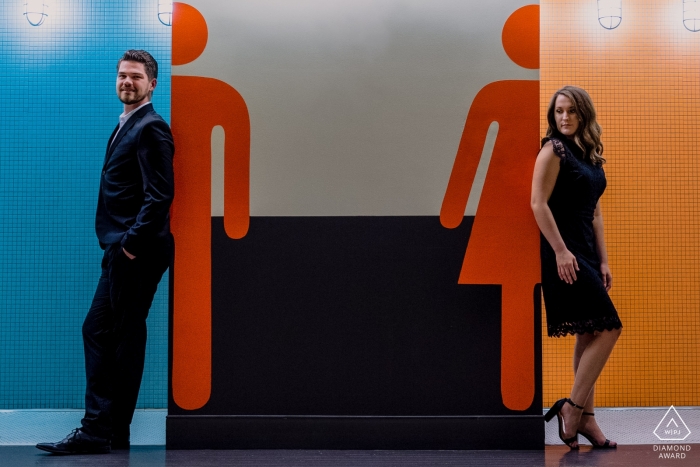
x: 77, y: 442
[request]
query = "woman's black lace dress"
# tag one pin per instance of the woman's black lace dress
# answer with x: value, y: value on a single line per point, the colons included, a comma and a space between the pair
x: 584, y: 306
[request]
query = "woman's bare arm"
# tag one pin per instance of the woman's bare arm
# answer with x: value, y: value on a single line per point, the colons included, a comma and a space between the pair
x: 600, y: 246
x: 543, y: 181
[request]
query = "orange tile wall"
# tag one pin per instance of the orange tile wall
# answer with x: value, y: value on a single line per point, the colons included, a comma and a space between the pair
x: 644, y: 78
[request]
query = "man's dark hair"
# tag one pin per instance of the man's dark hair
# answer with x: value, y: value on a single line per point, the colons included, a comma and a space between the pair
x: 141, y: 56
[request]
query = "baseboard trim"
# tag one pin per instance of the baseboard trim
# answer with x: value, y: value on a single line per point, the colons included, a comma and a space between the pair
x: 330, y: 432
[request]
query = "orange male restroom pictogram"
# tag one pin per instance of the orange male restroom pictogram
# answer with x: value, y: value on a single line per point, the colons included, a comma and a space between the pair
x: 199, y: 104
x: 503, y: 247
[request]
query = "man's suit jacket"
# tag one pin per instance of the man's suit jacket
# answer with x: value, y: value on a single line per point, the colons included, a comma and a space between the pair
x: 137, y: 184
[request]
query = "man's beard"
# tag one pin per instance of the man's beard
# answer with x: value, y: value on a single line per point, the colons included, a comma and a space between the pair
x: 131, y: 98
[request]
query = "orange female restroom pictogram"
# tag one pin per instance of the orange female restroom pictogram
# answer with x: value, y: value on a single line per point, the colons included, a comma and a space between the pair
x: 503, y: 247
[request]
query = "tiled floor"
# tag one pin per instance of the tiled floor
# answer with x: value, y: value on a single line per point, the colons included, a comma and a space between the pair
x: 632, y: 428
x: 628, y: 426
x: 637, y: 456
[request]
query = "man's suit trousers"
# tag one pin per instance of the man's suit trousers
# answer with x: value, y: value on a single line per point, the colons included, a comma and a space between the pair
x: 114, y: 336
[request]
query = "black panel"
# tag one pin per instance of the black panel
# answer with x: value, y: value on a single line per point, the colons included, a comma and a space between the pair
x: 351, y: 316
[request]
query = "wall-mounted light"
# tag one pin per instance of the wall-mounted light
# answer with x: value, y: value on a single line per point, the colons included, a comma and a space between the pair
x: 610, y: 13
x: 691, y: 15
x: 165, y: 12
x: 36, y: 11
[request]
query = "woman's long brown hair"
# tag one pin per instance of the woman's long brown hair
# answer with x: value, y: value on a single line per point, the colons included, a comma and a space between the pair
x: 587, y: 136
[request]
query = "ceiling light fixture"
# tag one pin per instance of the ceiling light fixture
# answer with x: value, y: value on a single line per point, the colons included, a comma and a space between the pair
x: 610, y: 13
x: 36, y: 11
x: 165, y: 12
x: 691, y: 15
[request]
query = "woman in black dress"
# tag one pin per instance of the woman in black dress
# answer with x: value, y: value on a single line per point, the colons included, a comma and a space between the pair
x: 566, y: 188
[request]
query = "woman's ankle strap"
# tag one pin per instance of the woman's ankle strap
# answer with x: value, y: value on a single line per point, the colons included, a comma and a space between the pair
x: 574, y: 404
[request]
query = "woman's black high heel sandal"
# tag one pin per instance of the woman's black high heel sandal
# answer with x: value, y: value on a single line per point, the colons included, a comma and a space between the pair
x: 591, y: 439
x: 556, y: 410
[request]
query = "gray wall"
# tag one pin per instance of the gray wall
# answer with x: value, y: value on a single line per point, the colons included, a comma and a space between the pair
x: 357, y: 107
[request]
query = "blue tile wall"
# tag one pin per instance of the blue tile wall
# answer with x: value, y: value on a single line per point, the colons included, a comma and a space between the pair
x: 58, y: 109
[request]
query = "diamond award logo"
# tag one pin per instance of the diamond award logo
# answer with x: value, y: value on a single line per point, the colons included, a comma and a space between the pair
x: 672, y: 427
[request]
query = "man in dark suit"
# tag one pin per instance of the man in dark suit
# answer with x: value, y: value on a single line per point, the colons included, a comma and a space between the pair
x: 133, y: 228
